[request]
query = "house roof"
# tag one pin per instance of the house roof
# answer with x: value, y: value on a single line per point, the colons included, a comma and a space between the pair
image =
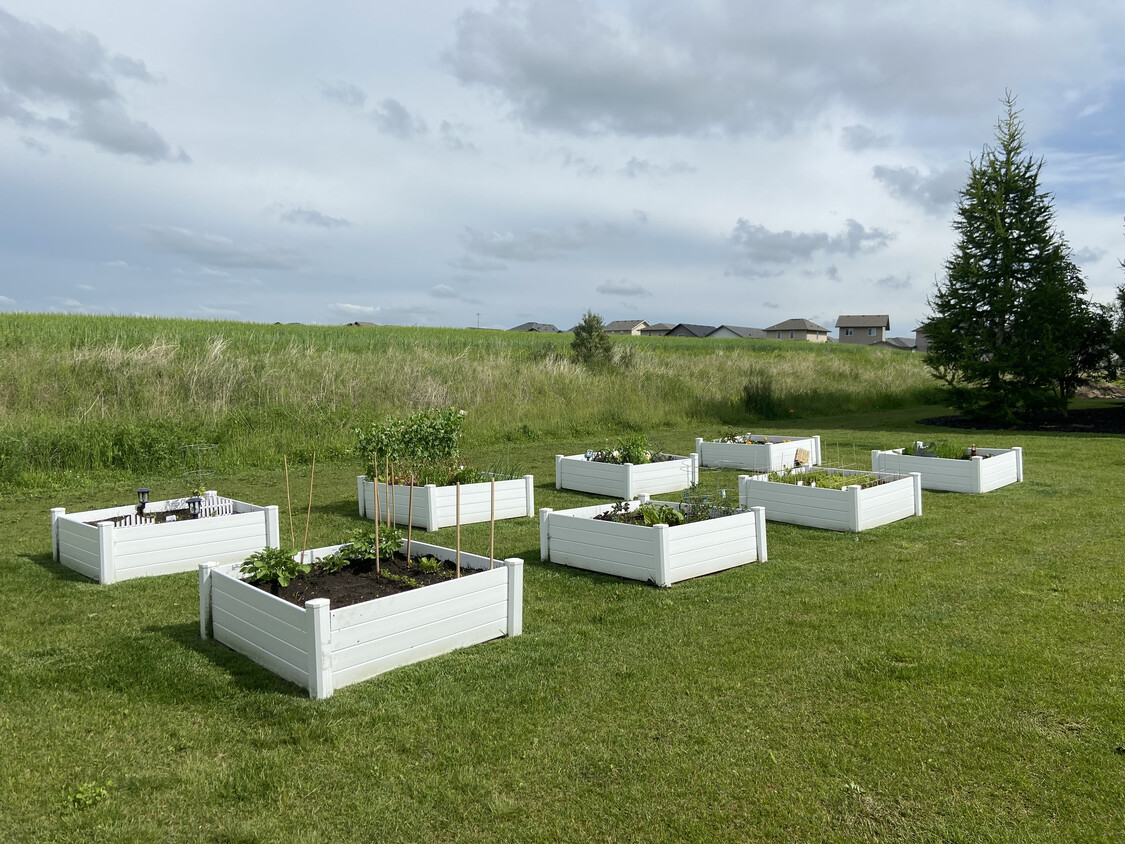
x: 659, y: 326
x: 864, y: 321
x: 897, y: 343
x: 544, y: 327
x: 797, y: 325
x: 360, y: 324
x: 693, y: 330
x: 626, y: 324
x: 742, y: 331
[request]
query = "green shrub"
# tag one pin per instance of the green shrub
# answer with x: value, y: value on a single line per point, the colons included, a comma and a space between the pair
x: 273, y: 565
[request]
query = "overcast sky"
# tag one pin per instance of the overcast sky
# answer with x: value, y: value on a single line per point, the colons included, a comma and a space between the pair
x: 441, y: 163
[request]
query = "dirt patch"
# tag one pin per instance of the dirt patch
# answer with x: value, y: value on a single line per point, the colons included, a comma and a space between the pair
x: 357, y: 582
x: 1091, y: 420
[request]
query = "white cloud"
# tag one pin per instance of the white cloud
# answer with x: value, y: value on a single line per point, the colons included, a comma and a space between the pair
x: 759, y: 244
x: 5, y: 302
x: 935, y: 193
x: 623, y: 287
x: 215, y: 250
x: 536, y: 244
x: 392, y: 118
x: 43, y: 69
x: 348, y: 310
x: 310, y: 217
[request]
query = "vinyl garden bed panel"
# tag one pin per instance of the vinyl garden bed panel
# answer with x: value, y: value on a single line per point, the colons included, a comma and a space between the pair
x: 436, y: 506
x: 625, y: 480
x: 324, y: 649
x: 991, y: 469
x: 661, y: 554
x: 849, y: 509
x: 108, y: 553
x: 775, y: 453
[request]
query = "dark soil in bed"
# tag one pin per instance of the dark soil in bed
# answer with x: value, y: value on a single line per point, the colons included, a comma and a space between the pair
x: 358, y: 582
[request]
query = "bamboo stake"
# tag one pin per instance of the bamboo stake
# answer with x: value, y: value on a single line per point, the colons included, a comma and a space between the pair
x: 289, y: 503
x: 458, y: 509
x: 410, y: 518
x: 492, y: 528
x: 308, y: 515
x: 375, y: 474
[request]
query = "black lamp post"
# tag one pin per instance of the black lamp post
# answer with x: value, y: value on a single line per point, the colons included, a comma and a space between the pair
x: 142, y: 499
x: 195, y: 506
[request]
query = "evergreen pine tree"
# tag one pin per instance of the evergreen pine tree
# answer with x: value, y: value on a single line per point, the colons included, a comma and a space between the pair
x: 591, y: 344
x: 1012, y: 332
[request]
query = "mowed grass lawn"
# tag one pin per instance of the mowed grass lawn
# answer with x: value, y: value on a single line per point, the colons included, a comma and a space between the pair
x: 954, y: 677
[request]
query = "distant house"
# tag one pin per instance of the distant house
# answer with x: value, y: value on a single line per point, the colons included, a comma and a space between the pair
x: 360, y: 324
x: 541, y: 327
x: 798, y: 329
x: 740, y: 331
x: 921, y: 341
x: 863, y: 329
x: 626, y: 326
x: 657, y: 329
x: 687, y: 330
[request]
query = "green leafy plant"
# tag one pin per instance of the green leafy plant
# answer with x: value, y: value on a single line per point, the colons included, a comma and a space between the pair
x: 939, y: 448
x: 88, y: 795
x: 633, y: 448
x: 656, y: 513
x: 426, y: 442
x: 273, y: 565
x: 428, y: 564
x: 825, y: 479
x: 362, y: 543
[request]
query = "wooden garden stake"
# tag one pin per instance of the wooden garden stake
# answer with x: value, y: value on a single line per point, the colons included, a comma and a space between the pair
x: 492, y: 527
x: 308, y: 515
x: 458, y: 509
x: 289, y: 503
x: 409, y: 518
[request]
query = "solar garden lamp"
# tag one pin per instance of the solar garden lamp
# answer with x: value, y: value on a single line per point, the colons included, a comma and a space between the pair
x: 142, y: 498
x: 195, y: 506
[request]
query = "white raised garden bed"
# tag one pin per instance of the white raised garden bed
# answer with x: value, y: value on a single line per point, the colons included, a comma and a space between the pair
x: 228, y: 531
x: 436, y: 506
x: 991, y: 469
x: 660, y: 554
x: 324, y: 649
x: 849, y: 509
x: 769, y: 455
x: 625, y: 480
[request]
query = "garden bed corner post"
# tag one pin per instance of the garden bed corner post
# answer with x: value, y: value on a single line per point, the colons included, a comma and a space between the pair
x: 699, y: 445
x: 56, y: 512
x: 978, y: 474
x: 917, y: 476
x: 1019, y: 462
x: 544, y: 536
x: 694, y: 467
x: 205, y: 570
x: 273, y: 527
x: 431, y: 521
x: 628, y: 482
x: 319, y: 619
x: 359, y: 482
x: 855, y: 492
x: 558, y: 466
x: 816, y: 457
x: 108, y: 572
x: 515, y: 595
x: 662, y: 555
x: 529, y: 487
x: 760, y: 531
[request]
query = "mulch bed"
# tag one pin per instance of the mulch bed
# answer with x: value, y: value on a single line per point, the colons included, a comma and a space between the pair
x: 357, y: 582
x: 1091, y: 420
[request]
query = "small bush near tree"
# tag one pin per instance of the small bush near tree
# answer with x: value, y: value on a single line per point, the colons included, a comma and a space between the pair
x: 591, y: 345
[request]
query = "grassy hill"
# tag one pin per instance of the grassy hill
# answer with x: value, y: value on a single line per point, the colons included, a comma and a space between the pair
x: 81, y: 393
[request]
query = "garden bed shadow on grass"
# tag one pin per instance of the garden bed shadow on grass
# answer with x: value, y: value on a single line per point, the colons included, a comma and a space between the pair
x: 1087, y: 420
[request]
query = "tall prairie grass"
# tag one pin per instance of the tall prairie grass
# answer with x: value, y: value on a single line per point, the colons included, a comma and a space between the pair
x: 82, y: 392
